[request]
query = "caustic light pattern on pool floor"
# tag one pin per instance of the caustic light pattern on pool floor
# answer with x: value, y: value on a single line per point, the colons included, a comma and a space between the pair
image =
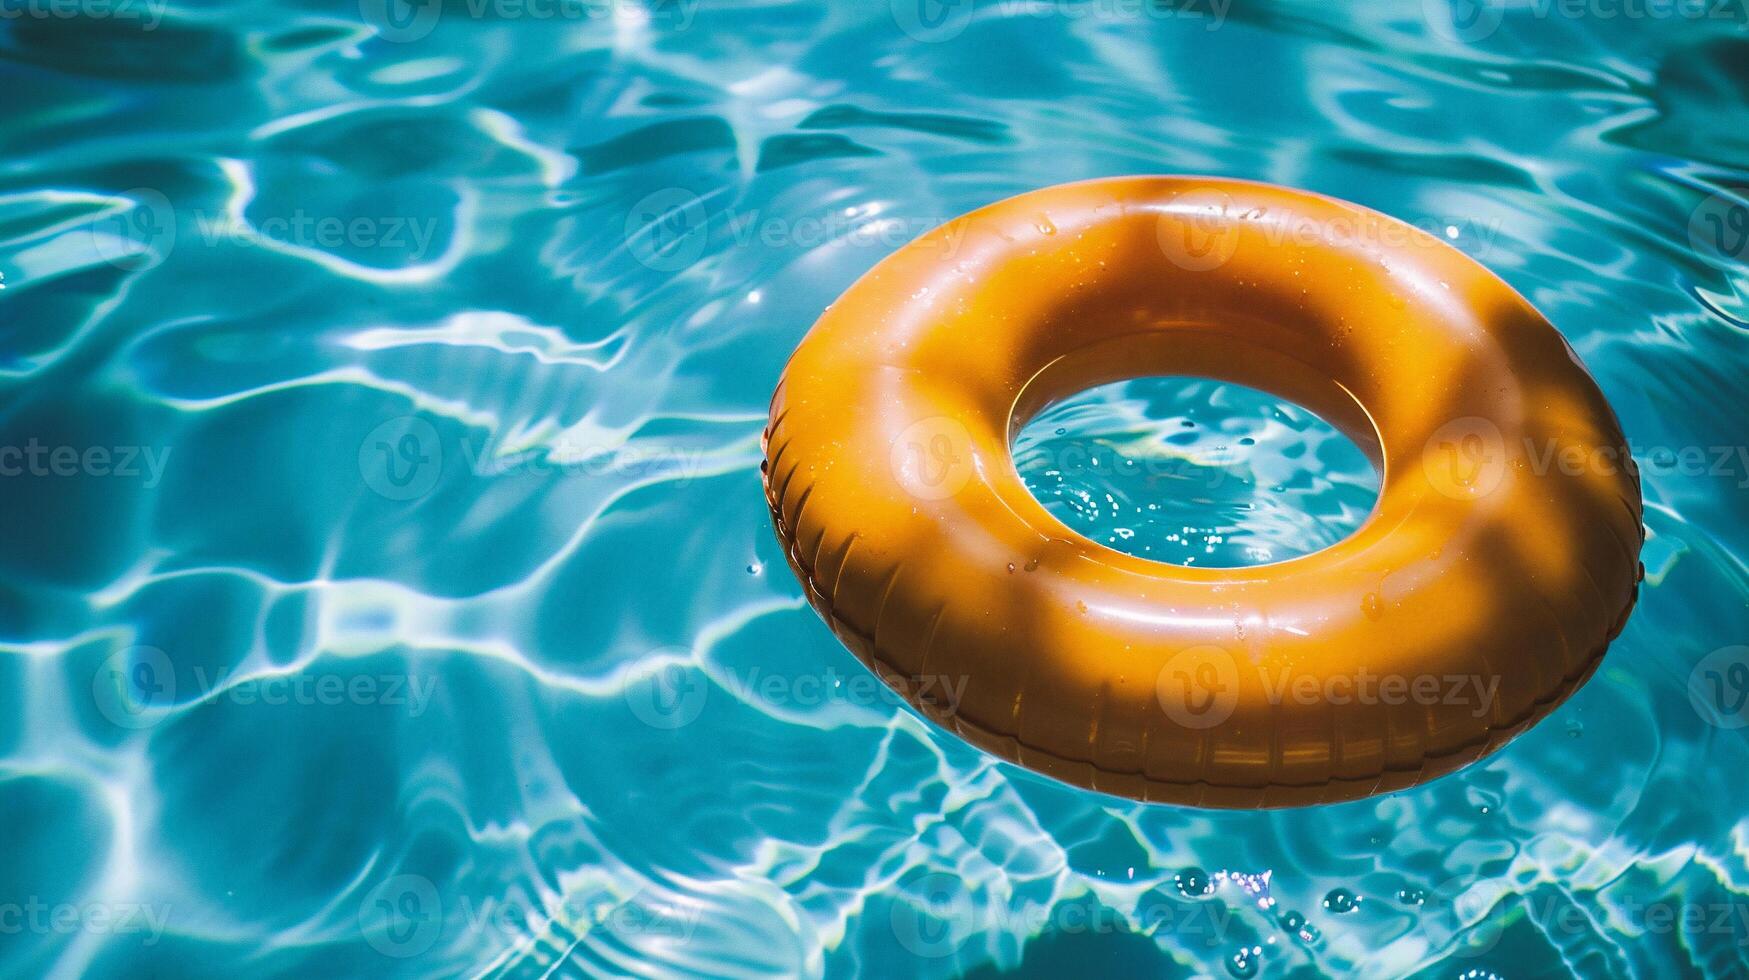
x: 388, y: 587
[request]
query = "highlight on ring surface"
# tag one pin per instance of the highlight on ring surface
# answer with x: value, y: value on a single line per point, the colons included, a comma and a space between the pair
x: 1482, y: 590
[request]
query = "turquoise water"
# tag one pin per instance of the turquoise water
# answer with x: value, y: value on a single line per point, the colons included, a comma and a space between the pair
x: 387, y: 588
x: 1195, y: 472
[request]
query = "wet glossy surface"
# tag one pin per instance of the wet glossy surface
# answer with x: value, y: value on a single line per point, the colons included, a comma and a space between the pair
x: 890, y: 482
x: 488, y: 461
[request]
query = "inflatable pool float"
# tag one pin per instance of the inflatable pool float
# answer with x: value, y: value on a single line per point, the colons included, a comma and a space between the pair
x: 1500, y: 560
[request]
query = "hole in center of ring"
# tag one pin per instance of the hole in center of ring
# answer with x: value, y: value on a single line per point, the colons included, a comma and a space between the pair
x: 1193, y: 471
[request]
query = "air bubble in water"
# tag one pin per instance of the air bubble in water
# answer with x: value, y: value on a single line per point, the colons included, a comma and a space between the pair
x: 1245, y: 962
x: 1341, y: 901
x: 1193, y: 882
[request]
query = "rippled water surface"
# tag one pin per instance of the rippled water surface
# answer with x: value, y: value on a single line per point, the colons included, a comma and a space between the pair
x: 1195, y: 472
x: 387, y: 588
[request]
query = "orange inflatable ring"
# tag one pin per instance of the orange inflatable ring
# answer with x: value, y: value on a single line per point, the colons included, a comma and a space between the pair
x: 1501, y: 558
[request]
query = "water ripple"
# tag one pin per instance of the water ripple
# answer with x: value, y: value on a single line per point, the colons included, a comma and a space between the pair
x: 436, y: 627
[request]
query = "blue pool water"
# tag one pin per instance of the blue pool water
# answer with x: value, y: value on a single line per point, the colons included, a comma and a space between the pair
x: 387, y: 589
x: 1195, y: 472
